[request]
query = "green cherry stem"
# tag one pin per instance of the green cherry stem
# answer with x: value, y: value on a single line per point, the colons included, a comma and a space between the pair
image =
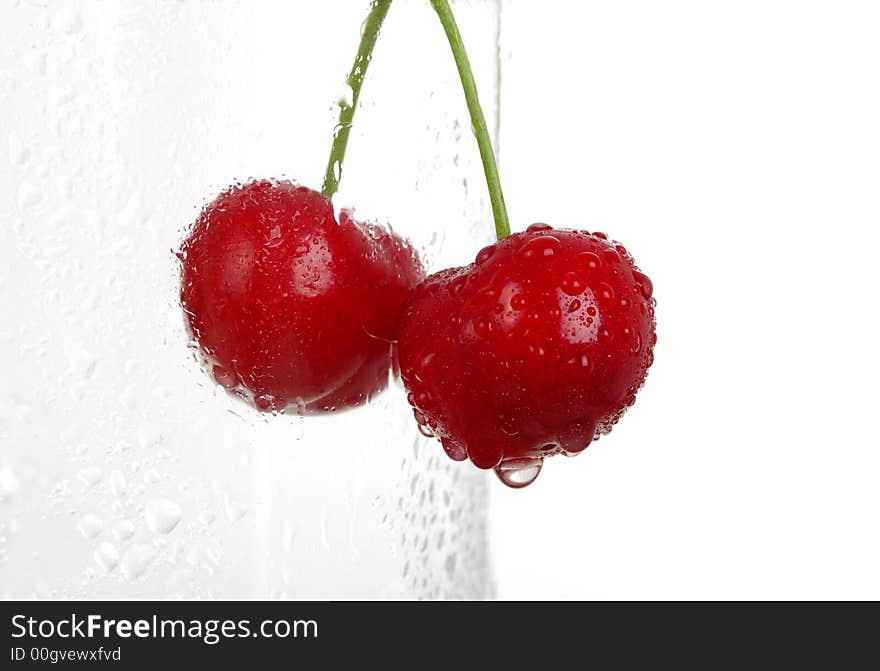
x: 372, y: 25
x: 478, y: 121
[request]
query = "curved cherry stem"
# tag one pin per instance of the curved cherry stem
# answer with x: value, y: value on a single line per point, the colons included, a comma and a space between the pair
x: 372, y: 25
x: 478, y: 121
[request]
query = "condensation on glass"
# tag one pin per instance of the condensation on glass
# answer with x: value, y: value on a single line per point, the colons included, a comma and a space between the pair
x: 124, y: 472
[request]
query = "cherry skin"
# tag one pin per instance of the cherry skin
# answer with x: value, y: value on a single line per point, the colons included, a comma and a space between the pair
x: 291, y: 309
x: 535, y: 349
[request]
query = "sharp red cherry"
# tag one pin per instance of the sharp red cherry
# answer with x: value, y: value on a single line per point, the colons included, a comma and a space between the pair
x: 535, y: 349
x: 292, y: 309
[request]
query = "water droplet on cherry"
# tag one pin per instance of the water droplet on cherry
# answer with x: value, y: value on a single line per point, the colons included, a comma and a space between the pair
x: 267, y: 403
x: 543, y: 247
x: 226, y: 379
x: 482, y: 327
x: 519, y: 473
x: 572, y: 284
x: 539, y: 227
x: 458, y: 283
x: 454, y: 450
x: 485, y: 254
x: 486, y: 454
x: 274, y: 237
x: 576, y: 437
x: 646, y: 287
x: 590, y: 261
x: 427, y: 360
x: 605, y: 291
x: 611, y: 256
x: 518, y: 302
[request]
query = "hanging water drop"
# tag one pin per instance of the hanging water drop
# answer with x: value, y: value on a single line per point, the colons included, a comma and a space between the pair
x: 518, y: 473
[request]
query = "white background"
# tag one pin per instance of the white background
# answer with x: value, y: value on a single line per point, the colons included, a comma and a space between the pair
x: 734, y: 148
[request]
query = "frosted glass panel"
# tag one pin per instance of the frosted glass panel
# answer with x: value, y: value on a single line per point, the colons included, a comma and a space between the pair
x: 124, y: 471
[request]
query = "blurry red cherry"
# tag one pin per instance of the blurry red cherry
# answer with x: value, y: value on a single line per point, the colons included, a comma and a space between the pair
x: 534, y: 349
x: 291, y: 309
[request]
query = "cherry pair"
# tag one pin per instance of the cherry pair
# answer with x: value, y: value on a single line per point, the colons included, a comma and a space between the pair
x: 534, y: 349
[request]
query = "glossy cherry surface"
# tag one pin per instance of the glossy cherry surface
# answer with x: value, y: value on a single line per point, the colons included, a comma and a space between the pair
x: 291, y: 309
x: 534, y: 349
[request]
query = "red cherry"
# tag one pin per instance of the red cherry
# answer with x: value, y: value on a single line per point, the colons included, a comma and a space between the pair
x: 534, y: 349
x: 291, y: 309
